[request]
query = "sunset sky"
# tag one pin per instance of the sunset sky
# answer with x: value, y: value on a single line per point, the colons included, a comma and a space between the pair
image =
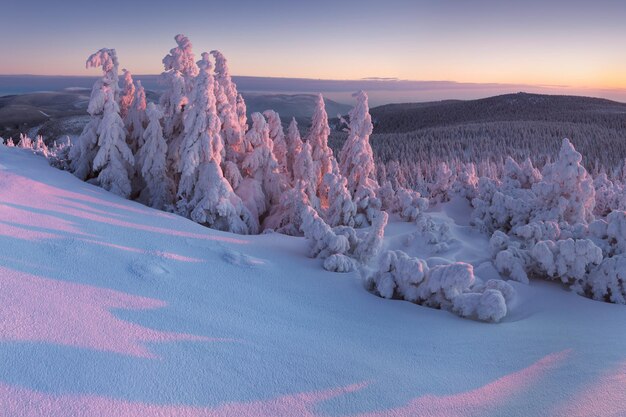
x: 581, y: 44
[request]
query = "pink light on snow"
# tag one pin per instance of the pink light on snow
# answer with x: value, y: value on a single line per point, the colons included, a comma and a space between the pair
x: 476, y: 402
x: 18, y: 401
x: 603, y: 398
x: 68, y: 203
x: 37, y: 309
x: 28, y: 403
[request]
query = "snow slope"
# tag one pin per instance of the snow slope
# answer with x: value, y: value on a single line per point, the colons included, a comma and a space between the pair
x: 111, y: 308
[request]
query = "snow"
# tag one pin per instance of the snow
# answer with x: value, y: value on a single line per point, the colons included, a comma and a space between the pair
x: 109, y: 307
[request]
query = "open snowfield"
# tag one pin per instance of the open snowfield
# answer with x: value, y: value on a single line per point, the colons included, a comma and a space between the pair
x: 110, y: 308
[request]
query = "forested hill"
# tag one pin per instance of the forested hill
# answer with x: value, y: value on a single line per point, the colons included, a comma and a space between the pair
x: 408, y: 117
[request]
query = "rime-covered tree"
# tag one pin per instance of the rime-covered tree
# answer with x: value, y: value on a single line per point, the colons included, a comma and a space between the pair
x: 152, y: 159
x: 127, y: 96
x: 303, y: 171
x: 178, y: 77
x: 357, y: 161
x: 263, y: 183
x: 101, y: 148
x: 278, y: 139
x: 136, y: 119
x: 233, y: 128
x: 341, y: 209
x: 294, y: 146
x: 114, y: 160
x: 322, y: 155
x: 201, y: 139
x: 204, y: 193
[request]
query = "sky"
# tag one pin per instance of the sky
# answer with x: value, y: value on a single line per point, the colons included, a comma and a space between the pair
x: 555, y: 43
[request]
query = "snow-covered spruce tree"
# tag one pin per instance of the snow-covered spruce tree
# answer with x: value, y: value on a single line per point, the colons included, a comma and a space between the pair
x: 10, y: 143
x: 101, y: 148
x: 201, y: 139
x: 152, y: 154
x: 286, y: 217
x: 114, y: 160
x: 368, y: 248
x: 341, y: 209
x: 322, y: 155
x: 294, y: 146
x: 566, y: 192
x: 40, y: 147
x: 304, y: 171
x: 204, y: 194
x: 263, y: 183
x: 127, y: 96
x: 178, y: 77
x: 229, y: 108
x: 357, y: 162
x: 136, y: 120
x: 25, y: 142
x: 439, y: 190
x: 278, y: 139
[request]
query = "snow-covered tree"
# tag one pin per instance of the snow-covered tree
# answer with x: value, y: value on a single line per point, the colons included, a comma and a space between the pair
x: 566, y: 192
x: 10, y: 143
x: 40, y: 147
x: 101, y: 147
x: 294, y: 146
x: 278, y: 139
x: 452, y: 287
x: 322, y: 155
x: 152, y: 159
x: 303, y: 171
x: 25, y: 142
x: 357, y: 162
x: 341, y: 210
x: 127, y: 96
x: 136, y: 120
x: 228, y: 106
x: 263, y: 182
x: 202, y: 141
x: 114, y: 160
x: 286, y: 217
x: 179, y: 75
x: 204, y: 193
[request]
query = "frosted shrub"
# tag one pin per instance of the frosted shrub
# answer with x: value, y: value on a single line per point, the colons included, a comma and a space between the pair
x: 449, y: 287
x: 323, y: 242
x: 607, y: 282
x: 568, y: 260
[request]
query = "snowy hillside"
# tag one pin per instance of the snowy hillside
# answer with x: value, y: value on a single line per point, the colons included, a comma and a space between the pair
x: 108, y: 307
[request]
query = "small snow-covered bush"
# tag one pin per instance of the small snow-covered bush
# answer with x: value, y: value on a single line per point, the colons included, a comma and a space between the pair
x: 451, y: 287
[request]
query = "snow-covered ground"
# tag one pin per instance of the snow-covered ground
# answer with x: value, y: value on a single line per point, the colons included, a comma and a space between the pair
x: 110, y: 308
